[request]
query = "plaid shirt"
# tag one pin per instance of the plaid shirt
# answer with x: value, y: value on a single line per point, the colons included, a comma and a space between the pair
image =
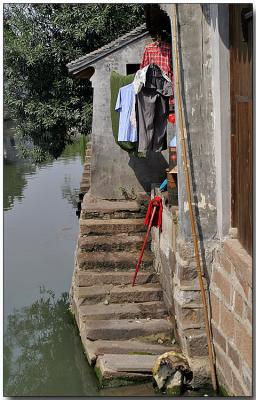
x: 158, y: 53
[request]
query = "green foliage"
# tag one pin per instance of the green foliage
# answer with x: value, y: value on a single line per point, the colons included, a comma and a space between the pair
x: 48, y: 106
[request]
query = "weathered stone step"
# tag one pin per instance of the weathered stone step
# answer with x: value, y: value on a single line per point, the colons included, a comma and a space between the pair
x: 119, y: 294
x: 95, y: 208
x: 100, y: 347
x: 87, y: 159
x: 125, y: 328
x: 86, y: 175
x: 87, y: 166
x: 111, y: 226
x: 152, y: 309
x: 108, y: 377
x: 121, y: 242
x: 91, y: 278
x: 137, y: 293
x: 84, y: 188
x: 88, y: 151
x: 85, y: 181
x: 111, y: 261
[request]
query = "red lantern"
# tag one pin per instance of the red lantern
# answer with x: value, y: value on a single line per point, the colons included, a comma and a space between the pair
x: 171, y: 118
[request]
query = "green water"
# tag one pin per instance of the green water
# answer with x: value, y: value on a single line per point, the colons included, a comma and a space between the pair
x: 42, y: 349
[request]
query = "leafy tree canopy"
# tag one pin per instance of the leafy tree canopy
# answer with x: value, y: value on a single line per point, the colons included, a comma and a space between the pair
x: 48, y: 106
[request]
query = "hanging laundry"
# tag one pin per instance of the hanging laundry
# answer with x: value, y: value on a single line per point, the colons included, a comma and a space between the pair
x: 125, y: 105
x: 116, y: 82
x: 159, y: 53
x: 153, y: 110
x: 140, y: 78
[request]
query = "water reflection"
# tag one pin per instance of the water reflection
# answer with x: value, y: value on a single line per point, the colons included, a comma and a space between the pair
x: 43, y: 354
x: 15, y: 181
x: 69, y: 192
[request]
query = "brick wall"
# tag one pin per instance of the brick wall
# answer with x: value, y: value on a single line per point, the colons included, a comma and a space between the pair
x: 231, y: 307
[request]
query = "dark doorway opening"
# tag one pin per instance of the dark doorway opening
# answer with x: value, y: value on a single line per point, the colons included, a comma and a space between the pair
x: 132, y: 68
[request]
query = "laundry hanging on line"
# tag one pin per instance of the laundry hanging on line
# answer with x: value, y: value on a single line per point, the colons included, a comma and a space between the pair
x: 143, y: 104
x: 116, y: 82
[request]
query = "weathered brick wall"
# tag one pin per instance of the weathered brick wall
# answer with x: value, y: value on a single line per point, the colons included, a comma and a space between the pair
x: 231, y: 303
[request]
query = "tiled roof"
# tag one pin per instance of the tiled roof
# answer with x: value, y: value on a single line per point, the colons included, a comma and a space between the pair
x: 87, y: 60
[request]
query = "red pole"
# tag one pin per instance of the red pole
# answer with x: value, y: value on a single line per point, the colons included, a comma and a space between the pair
x: 144, y: 245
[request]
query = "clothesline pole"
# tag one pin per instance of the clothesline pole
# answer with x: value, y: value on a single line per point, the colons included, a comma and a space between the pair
x: 183, y: 134
x: 144, y: 245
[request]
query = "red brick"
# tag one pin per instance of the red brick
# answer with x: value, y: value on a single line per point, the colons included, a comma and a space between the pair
x: 223, y: 284
x: 215, y: 308
x: 225, y: 263
x: 226, y: 322
x: 218, y: 338
x: 239, y: 304
x: 248, y: 313
x: 224, y: 365
x: 237, y: 388
x: 233, y: 354
x: 243, y: 342
x: 241, y: 261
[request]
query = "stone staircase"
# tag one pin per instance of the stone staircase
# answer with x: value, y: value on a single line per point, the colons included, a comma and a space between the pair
x: 123, y: 328
x: 86, y: 177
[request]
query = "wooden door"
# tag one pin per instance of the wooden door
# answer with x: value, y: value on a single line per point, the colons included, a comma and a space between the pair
x: 240, y: 18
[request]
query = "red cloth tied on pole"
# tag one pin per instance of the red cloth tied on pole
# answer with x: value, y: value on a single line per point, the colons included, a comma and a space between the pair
x: 157, y: 220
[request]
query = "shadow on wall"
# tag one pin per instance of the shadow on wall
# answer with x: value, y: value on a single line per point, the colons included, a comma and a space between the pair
x: 151, y: 169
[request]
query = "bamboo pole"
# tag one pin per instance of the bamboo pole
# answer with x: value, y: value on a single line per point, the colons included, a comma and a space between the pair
x: 182, y: 135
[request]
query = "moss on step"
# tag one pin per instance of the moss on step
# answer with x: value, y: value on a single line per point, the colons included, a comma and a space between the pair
x: 112, y: 382
x: 165, y: 339
x: 223, y: 392
x: 142, y: 353
x: 174, y: 391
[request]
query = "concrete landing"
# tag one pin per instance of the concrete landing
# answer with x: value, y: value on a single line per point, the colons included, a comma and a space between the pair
x: 123, y: 328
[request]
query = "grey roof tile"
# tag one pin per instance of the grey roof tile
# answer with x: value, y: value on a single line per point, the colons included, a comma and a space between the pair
x: 85, y: 61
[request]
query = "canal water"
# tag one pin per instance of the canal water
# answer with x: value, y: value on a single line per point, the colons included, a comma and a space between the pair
x: 43, y: 355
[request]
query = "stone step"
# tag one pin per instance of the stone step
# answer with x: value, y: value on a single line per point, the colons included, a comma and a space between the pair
x: 85, y: 181
x: 84, y: 188
x: 87, y: 159
x: 120, y: 242
x: 112, y: 260
x: 109, y: 377
x: 111, y: 226
x: 100, y: 347
x: 136, y: 294
x: 88, y: 145
x: 126, y: 328
x: 151, y: 309
x: 86, y: 175
x: 88, y: 151
x: 119, y: 294
x: 91, y: 278
x: 87, y: 166
x: 106, y: 209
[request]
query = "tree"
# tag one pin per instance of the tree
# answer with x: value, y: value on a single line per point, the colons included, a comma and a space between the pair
x: 48, y: 106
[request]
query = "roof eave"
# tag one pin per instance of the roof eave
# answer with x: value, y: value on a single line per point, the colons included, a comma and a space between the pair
x: 75, y: 68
